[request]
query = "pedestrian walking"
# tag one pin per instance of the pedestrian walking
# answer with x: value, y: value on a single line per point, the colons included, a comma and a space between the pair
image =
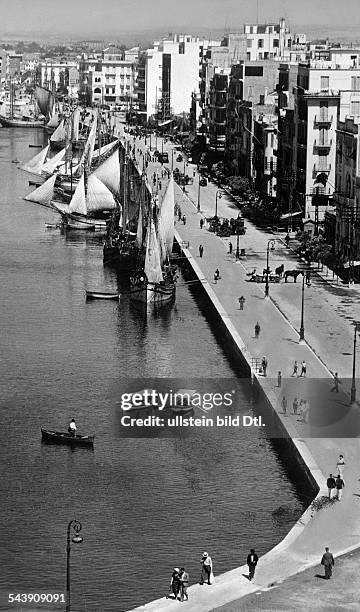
x: 283, y: 404
x: 201, y: 250
x: 337, y: 382
x: 206, y: 569
x: 340, y: 465
x: 295, y: 405
x: 184, y: 583
x: 175, y: 582
x: 264, y: 364
x: 307, y: 278
x: 230, y: 248
x: 257, y: 330
x: 303, y: 369
x: 251, y: 561
x: 339, y: 485
x: 287, y: 239
x: 295, y: 369
x: 216, y: 274
x: 327, y: 561
x: 184, y: 219
x: 160, y: 184
x: 241, y: 302
x: 279, y: 379
x: 330, y: 483
x: 179, y: 214
x: 201, y: 223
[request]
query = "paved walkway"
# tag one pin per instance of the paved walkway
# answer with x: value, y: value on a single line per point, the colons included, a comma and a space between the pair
x: 331, y: 423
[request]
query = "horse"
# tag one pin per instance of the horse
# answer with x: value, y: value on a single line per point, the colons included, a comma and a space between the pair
x: 292, y: 273
x: 280, y: 270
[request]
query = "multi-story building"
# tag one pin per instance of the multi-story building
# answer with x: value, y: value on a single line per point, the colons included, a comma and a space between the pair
x: 265, y: 155
x: 347, y: 192
x: 59, y: 75
x: 325, y: 91
x: 273, y: 41
x: 110, y: 77
x: 168, y: 76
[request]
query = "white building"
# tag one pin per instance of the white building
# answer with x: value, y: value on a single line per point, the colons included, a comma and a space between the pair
x: 326, y: 93
x: 57, y: 74
x: 272, y: 41
x: 168, y: 76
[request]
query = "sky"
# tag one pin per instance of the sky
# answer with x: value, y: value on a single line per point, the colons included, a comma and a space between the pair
x: 100, y: 18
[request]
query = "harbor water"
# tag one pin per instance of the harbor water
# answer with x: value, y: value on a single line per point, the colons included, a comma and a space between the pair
x: 145, y: 504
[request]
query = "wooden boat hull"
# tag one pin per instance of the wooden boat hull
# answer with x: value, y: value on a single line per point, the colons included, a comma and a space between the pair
x: 124, y: 260
x: 19, y: 123
x: 101, y: 295
x: 153, y: 293
x: 58, y: 437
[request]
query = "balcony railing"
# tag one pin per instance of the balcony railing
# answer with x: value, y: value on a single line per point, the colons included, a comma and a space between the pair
x: 326, y: 144
x: 321, y: 168
x: 323, y: 119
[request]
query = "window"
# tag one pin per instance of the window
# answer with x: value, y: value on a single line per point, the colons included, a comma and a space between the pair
x: 266, y: 55
x: 355, y: 108
x: 260, y: 43
x: 355, y: 83
x: 322, y: 162
x: 276, y: 43
x: 249, y: 43
x: 323, y: 110
x: 322, y: 136
x: 324, y: 83
x: 248, y: 56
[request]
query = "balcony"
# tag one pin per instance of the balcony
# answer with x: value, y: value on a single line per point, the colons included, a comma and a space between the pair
x: 323, y: 145
x: 323, y: 120
x: 319, y: 168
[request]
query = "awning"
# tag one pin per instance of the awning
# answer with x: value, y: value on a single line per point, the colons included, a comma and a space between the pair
x: 165, y: 122
x: 294, y: 214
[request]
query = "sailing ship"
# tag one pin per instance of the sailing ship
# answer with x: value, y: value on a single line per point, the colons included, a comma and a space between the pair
x: 27, y: 119
x: 154, y: 280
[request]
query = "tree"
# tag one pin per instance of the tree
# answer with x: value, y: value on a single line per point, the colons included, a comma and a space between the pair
x: 239, y: 185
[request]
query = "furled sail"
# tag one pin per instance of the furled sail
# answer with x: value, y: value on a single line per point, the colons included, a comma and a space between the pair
x: 139, y: 233
x: 109, y: 173
x: 44, y: 99
x: 43, y: 194
x: 35, y: 164
x: 98, y: 196
x: 166, y: 221
x: 54, y: 162
x: 89, y: 147
x: 78, y: 201
x: 60, y: 132
x: 75, y: 122
x: 152, y: 257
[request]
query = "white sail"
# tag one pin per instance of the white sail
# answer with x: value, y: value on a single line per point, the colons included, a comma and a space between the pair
x: 60, y: 132
x: 54, y: 162
x: 35, y: 164
x: 152, y: 257
x: 109, y: 172
x: 166, y: 221
x: 78, y: 201
x: 105, y: 149
x: 54, y: 120
x: 98, y: 196
x: 43, y: 194
x: 139, y: 233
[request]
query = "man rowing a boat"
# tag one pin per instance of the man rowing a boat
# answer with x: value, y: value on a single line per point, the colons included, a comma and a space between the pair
x: 72, y: 427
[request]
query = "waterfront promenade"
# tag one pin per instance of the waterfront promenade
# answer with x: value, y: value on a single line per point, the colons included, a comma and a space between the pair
x: 317, y: 442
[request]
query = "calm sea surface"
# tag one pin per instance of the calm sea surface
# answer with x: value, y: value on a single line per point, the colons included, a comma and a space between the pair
x: 146, y: 505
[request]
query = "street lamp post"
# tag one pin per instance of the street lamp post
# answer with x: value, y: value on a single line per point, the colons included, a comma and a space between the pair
x: 353, y: 384
x: 218, y: 195
x: 302, y: 328
x: 237, y: 255
x: 198, y: 202
x: 270, y: 244
x: 77, y: 539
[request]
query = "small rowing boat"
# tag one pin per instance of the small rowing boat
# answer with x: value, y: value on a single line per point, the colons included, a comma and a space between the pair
x: 101, y: 295
x: 59, y: 437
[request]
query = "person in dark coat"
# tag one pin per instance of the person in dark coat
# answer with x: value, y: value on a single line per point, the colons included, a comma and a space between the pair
x: 330, y: 483
x: 257, y: 330
x: 201, y: 250
x: 175, y: 582
x: 251, y: 561
x: 327, y: 561
x: 201, y: 223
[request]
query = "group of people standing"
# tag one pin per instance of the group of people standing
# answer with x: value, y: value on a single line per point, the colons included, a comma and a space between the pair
x: 300, y: 407
x: 336, y: 483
